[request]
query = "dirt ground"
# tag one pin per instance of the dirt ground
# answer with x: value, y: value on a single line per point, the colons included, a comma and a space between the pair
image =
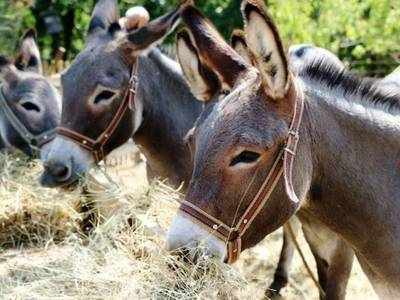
x: 74, y: 269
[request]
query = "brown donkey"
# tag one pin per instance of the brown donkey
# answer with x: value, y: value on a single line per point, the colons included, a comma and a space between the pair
x: 250, y: 175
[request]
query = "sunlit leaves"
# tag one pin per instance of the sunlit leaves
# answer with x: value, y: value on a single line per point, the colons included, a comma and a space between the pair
x: 365, y: 34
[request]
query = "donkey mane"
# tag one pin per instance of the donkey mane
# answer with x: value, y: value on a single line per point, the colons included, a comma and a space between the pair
x: 366, y: 90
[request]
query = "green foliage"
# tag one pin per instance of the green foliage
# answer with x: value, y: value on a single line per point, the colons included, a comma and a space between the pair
x: 11, y: 22
x: 365, y: 34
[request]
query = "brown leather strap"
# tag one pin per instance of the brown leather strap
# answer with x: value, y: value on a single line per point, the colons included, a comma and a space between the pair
x: 96, y: 147
x: 234, y: 249
x: 212, y: 224
x: 283, y: 165
x: 292, y: 143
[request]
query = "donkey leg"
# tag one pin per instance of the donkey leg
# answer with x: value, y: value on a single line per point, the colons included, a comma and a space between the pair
x: 333, y: 256
x: 281, y: 276
x: 339, y: 271
x: 3, y: 147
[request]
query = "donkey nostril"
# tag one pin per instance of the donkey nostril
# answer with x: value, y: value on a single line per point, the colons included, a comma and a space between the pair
x: 30, y: 106
x: 62, y: 172
x: 59, y: 171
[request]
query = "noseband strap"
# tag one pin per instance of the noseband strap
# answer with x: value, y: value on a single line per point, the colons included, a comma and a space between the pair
x: 283, y: 165
x: 35, y: 141
x: 96, y: 147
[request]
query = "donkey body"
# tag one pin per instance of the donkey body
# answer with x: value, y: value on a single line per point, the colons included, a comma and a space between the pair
x: 29, y: 95
x: 333, y: 256
x: 360, y: 199
x: 345, y: 173
x: 169, y: 112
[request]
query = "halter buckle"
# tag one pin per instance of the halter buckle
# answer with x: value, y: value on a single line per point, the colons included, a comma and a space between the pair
x: 133, y: 82
x: 294, y: 134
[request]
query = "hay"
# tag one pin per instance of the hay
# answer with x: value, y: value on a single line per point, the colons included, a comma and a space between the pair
x: 29, y: 214
x: 124, y: 256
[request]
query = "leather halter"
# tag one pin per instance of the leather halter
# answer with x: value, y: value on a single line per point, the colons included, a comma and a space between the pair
x: 96, y: 147
x: 283, y: 165
x: 34, y: 141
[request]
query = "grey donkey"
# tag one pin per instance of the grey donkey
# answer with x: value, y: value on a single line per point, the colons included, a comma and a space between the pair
x: 30, y: 105
x: 345, y: 173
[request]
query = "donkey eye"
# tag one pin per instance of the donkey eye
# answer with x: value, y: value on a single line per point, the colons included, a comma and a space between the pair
x: 30, y: 106
x: 246, y: 157
x: 103, y: 96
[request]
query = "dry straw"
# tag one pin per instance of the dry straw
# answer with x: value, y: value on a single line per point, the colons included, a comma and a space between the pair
x: 45, y: 254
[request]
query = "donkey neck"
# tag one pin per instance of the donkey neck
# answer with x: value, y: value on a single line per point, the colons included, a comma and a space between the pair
x: 355, y: 189
x: 169, y: 112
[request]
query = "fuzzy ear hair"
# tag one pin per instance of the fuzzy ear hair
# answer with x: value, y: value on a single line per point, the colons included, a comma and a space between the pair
x: 8, y: 72
x: 212, y: 48
x: 105, y: 13
x: 264, y: 42
x: 28, y: 57
x: 239, y: 43
x: 145, y: 37
x: 203, y: 82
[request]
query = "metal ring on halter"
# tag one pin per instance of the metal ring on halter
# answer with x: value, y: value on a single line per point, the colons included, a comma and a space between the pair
x: 283, y: 165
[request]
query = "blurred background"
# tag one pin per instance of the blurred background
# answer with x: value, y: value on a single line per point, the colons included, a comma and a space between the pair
x: 365, y: 34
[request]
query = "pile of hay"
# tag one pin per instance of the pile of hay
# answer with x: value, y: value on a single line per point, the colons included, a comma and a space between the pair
x: 29, y: 214
x: 124, y: 256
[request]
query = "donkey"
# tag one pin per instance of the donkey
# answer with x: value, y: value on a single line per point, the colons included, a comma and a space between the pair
x: 29, y: 104
x: 164, y: 111
x: 304, y: 55
x: 349, y: 130
x: 333, y: 273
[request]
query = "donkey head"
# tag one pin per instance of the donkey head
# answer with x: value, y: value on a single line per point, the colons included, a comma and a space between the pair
x: 96, y: 84
x: 238, y: 136
x: 305, y: 54
x: 31, y: 98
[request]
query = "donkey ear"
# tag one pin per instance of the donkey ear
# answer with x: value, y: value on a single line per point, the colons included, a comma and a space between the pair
x: 238, y: 42
x: 146, y: 36
x: 104, y: 14
x: 264, y: 41
x: 212, y: 48
x: 203, y: 83
x: 8, y: 72
x: 28, y: 57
